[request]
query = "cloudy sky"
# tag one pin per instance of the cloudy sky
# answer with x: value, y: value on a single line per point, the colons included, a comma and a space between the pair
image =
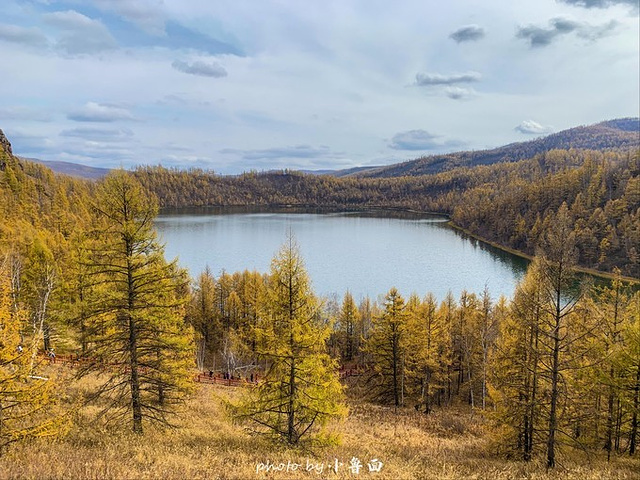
x: 234, y: 85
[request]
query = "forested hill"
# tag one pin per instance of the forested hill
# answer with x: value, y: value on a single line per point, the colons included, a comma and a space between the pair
x: 621, y: 133
x: 39, y: 211
x: 512, y: 204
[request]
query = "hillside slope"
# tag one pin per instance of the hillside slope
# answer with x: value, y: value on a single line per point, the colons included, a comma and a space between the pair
x: 510, y: 203
x: 72, y: 169
x: 618, y: 134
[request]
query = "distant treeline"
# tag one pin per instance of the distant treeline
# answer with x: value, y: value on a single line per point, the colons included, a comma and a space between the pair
x: 511, y: 204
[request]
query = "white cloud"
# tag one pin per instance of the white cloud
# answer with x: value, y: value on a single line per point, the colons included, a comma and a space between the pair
x: 146, y: 14
x: 414, y: 140
x: 421, y: 140
x: 99, y: 134
x: 71, y: 20
x: 297, y: 151
x: 24, y: 113
x: 601, y: 3
x: 459, y: 93
x: 96, y: 112
x: 80, y: 34
x: 531, y: 127
x: 541, y: 37
x: 30, y: 36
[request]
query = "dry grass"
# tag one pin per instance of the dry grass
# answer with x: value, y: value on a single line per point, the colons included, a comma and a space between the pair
x: 444, y: 445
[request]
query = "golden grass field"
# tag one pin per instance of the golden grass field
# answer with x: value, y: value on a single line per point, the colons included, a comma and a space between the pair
x: 206, y: 445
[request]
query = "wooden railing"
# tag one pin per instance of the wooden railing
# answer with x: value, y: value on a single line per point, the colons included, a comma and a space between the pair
x: 62, y: 359
x: 76, y: 361
x: 219, y: 380
x: 353, y: 372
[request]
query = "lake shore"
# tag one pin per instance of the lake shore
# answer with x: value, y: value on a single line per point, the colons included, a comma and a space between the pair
x: 518, y: 253
x: 383, y: 211
x: 365, y: 252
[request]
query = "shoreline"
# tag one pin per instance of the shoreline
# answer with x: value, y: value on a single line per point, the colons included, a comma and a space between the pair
x: 381, y: 208
x: 590, y: 271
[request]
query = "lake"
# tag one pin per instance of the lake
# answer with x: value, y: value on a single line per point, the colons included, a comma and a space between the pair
x: 366, y: 253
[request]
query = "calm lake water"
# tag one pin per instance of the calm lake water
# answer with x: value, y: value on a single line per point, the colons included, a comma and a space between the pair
x: 365, y: 253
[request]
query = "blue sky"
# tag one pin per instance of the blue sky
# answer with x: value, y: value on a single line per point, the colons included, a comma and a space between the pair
x: 261, y: 84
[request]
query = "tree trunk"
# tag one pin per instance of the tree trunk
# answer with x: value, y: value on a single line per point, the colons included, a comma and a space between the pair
x: 484, y: 378
x: 396, y: 393
x: 402, y: 380
x: 553, y: 420
x: 471, y: 399
x: 161, y: 385
x: 618, y: 427
x: 609, y: 440
x: 291, y: 433
x: 634, y: 419
x: 427, y: 394
x: 534, y: 392
x: 136, y: 403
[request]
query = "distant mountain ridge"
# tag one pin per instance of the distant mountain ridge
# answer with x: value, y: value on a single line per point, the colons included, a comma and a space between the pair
x: 72, y: 169
x: 622, y: 133
x: 353, y: 171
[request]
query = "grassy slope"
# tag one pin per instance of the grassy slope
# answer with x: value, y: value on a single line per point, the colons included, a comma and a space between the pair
x: 445, y: 445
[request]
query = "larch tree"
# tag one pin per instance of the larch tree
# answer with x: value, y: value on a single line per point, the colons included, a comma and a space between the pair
x: 76, y: 291
x: 446, y: 313
x: 252, y: 286
x: 609, y: 307
x: 515, y: 374
x: 545, y: 350
x: 348, y: 320
x: 367, y: 310
x: 560, y: 296
x: 41, y: 279
x: 488, y: 322
x: 300, y: 389
x: 28, y: 399
x: 387, y: 347
x: 631, y: 336
x: 203, y: 316
x: 138, y: 338
x: 428, y: 346
x: 469, y: 343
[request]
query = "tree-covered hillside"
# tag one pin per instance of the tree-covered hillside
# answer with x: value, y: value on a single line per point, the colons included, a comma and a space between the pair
x: 623, y: 133
x: 35, y: 201
x: 512, y: 203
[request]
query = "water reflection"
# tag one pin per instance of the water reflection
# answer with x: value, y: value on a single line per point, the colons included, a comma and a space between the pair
x: 518, y: 264
x: 364, y: 252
